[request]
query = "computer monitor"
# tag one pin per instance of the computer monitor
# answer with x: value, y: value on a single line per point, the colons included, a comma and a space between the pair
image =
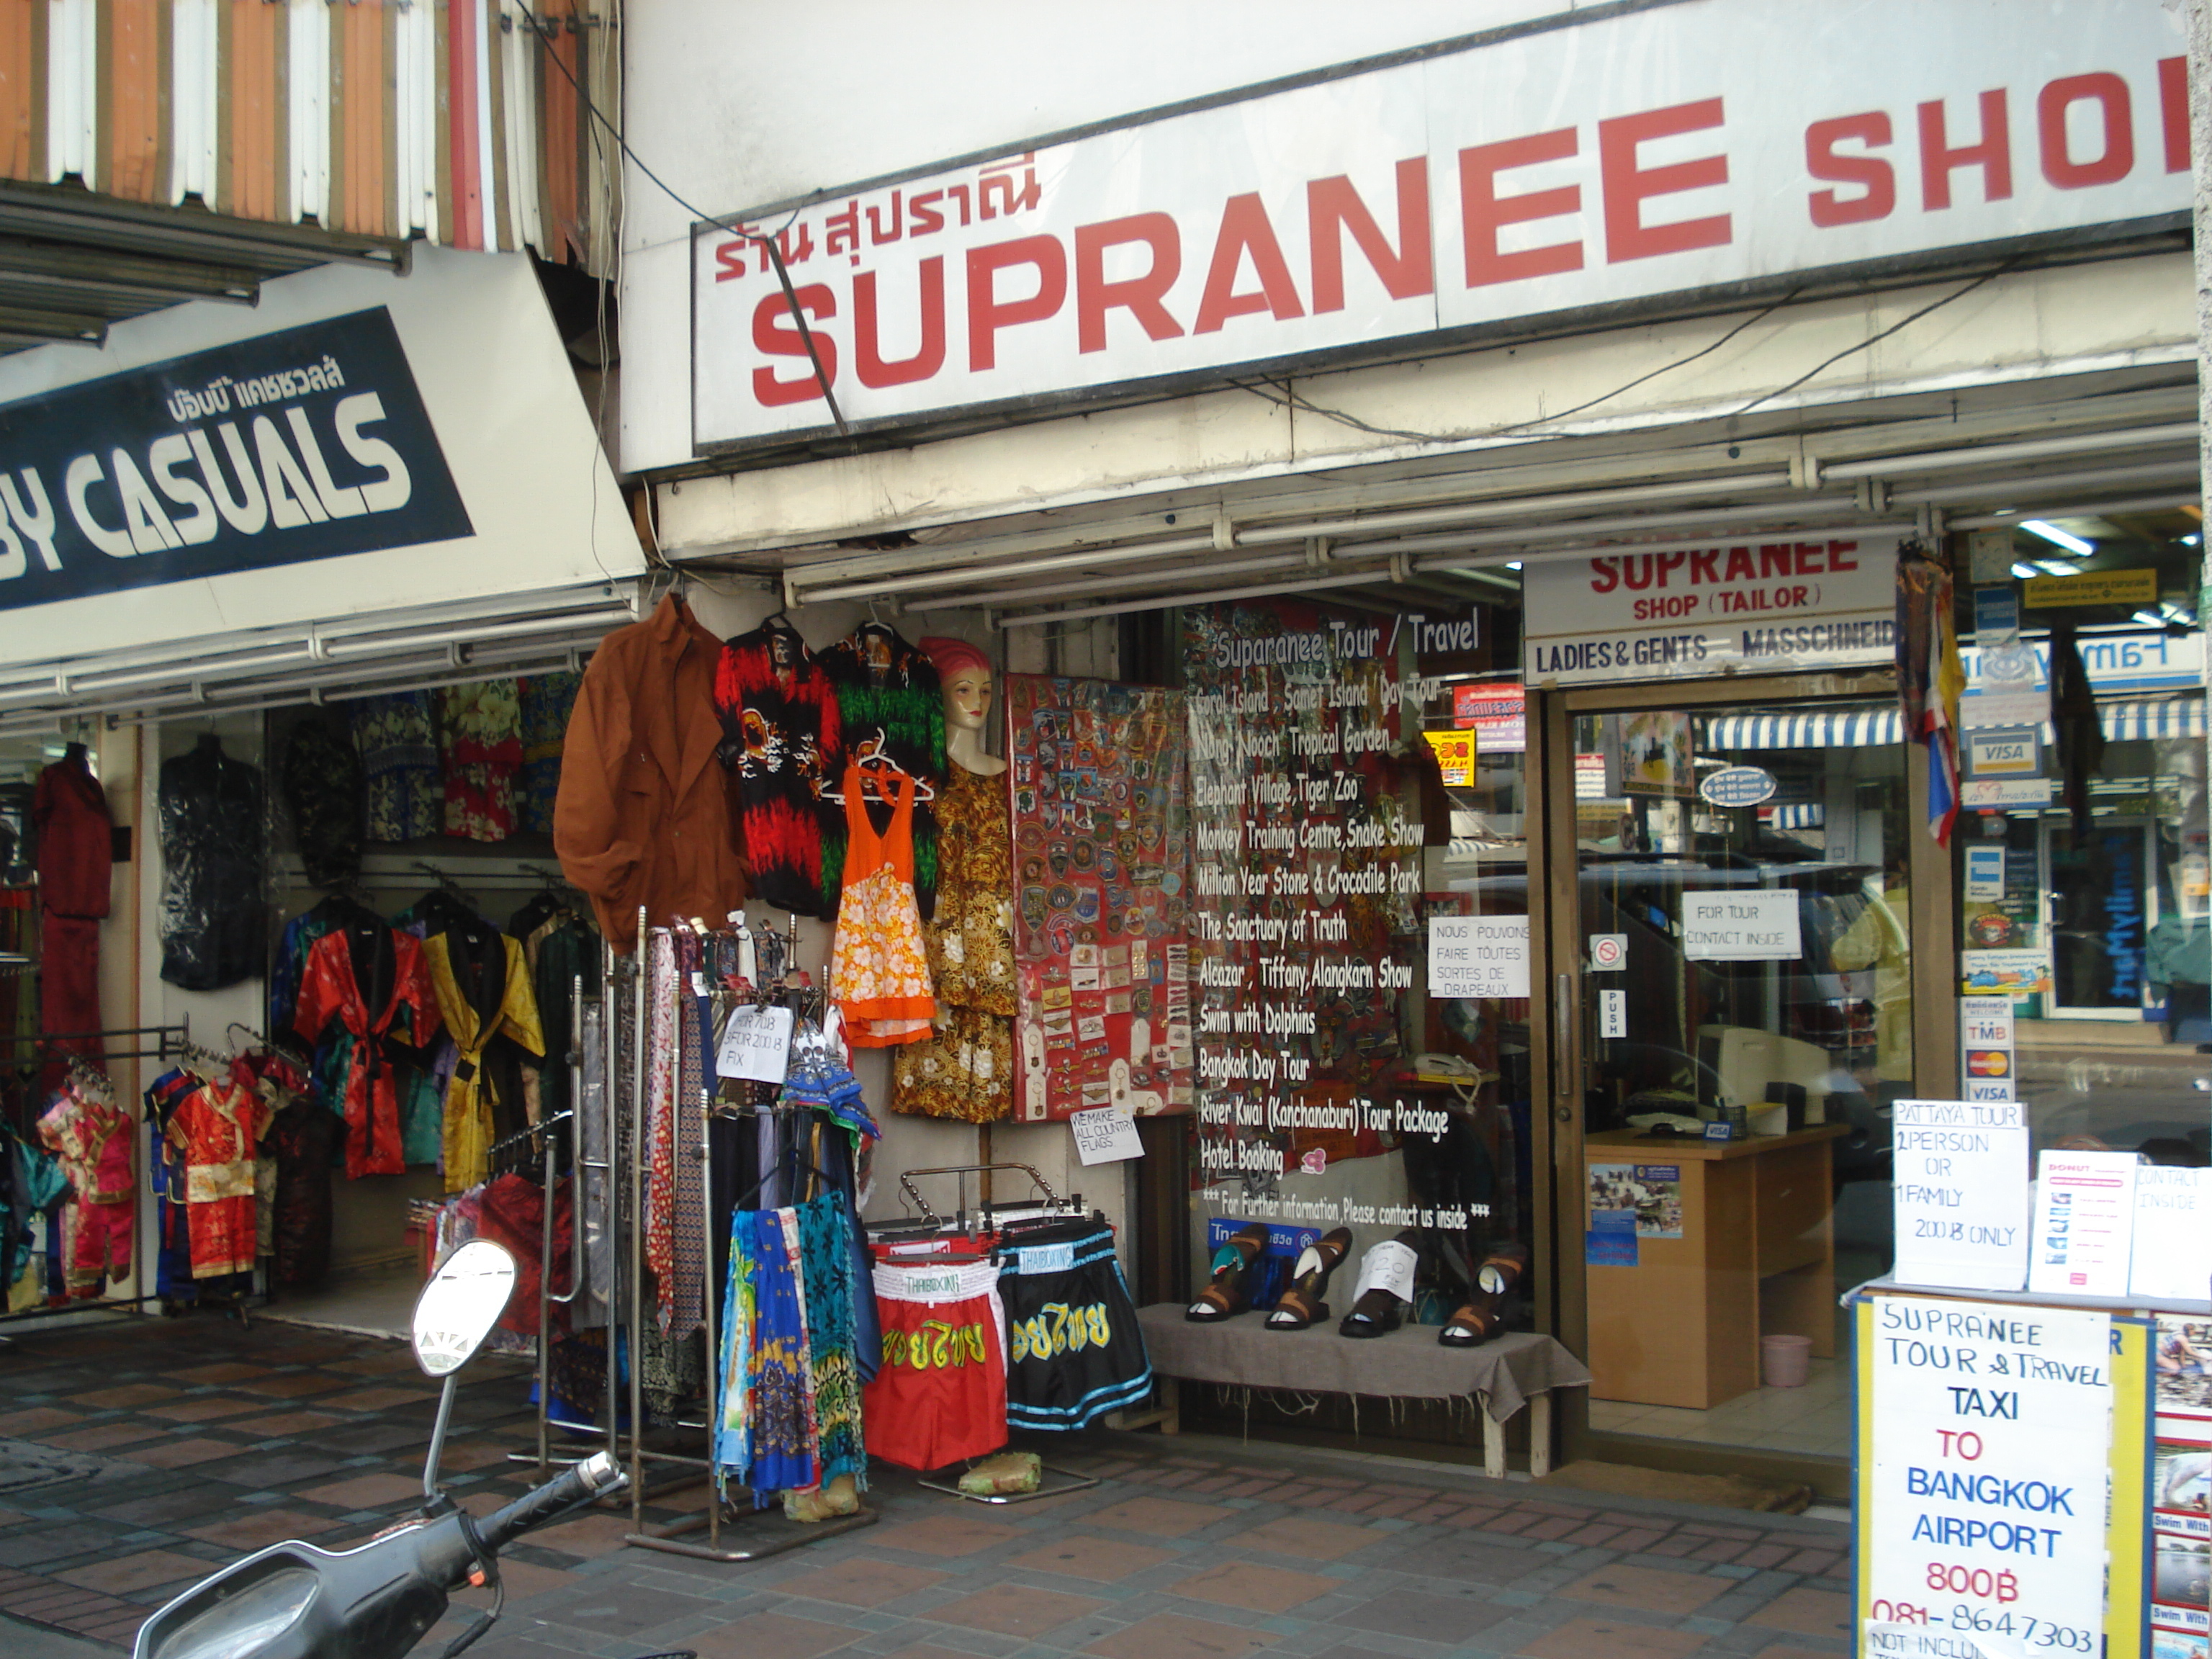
x: 1751, y: 1068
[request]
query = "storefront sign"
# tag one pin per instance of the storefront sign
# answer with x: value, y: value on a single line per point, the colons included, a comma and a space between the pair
x: 1101, y: 850
x: 2003, y: 751
x: 302, y: 444
x: 1305, y: 886
x: 2008, y: 973
x: 2091, y: 587
x: 1497, y: 714
x: 1986, y: 1032
x: 1738, y: 785
x: 2172, y: 1260
x: 1986, y: 1439
x: 1568, y: 166
x: 1455, y: 752
x: 1747, y: 926
x: 1744, y: 607
x: 1478, y: 956
x: 1959, y: 1194
x: 2084, y: 1220
x: 2117, y: 663
x: 2007, y: 791
x: 1105, y: 1134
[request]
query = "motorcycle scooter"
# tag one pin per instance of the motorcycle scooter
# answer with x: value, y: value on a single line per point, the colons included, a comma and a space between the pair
x: 294, y: 1601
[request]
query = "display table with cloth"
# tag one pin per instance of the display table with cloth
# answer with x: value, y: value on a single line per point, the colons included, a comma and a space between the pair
x: 1520, y: 1368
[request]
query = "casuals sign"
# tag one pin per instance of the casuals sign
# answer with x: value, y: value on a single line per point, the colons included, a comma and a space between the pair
x: 1544, y: 169
x: 1742, y: 607
x: 303, y: 443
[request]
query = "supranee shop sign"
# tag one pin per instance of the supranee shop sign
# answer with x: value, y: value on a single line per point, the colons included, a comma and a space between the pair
x: 1571, y: 165
x: 305, y: 443
x: 1735, y: 607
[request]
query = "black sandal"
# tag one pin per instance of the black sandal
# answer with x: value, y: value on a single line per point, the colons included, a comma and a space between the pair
x: 1302, y: 1305
x: 1379, y: 1309
x: 1226, y: 1294
x: 1483, y: 1316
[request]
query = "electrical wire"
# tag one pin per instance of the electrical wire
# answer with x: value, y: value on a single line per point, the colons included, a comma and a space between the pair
x: 767, y: 241
x: 1959, y: 293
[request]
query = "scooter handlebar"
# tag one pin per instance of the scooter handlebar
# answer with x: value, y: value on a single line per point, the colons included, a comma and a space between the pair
x: 593, y: 1478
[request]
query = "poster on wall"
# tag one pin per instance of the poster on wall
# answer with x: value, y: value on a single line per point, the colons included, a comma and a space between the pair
x: 1989, y: 1436
x: 2181, y: 1487
x: 1101, y: 828
x: 1306, y: 883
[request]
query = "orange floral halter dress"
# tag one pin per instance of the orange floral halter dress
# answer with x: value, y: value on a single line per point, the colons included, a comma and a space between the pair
x: 879, y: 969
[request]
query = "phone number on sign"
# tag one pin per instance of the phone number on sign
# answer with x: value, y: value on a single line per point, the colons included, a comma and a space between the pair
x: 2032, y: 1632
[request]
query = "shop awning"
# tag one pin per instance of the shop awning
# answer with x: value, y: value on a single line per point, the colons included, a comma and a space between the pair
x: 2144, y: 718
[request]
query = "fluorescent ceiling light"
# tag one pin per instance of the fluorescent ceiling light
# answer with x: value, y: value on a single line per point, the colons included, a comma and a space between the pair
x: 2024, y: 571
x: 2191, y: 540
x: 2057, y: 567
x: 2057, y: 538
x: 1513, y: 564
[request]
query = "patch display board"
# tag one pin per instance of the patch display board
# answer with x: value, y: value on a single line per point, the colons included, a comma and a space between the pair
x: 1305, y: 876
x: 2181, y: 1489
x: 1101, y: 829
x: 2001, y: 1480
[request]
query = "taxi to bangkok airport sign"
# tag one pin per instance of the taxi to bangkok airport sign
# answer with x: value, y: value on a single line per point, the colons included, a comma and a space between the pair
x: 1552, y: 169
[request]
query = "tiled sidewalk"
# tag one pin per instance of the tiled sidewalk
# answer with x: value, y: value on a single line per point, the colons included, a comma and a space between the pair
x: 215, y: 1440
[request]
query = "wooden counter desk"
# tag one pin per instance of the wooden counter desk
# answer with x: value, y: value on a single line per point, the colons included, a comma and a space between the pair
x: 1756, y: 1256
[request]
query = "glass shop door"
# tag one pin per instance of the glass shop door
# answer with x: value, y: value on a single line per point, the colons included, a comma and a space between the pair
x: 1731, y: 949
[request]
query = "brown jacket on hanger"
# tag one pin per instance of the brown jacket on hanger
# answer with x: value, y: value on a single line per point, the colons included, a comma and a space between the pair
x: 643, y: 814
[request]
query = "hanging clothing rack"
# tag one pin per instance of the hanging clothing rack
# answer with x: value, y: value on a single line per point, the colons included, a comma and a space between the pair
x: 675, y: 1537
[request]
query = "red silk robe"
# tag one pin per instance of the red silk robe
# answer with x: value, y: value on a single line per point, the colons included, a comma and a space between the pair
x: 371, y: 981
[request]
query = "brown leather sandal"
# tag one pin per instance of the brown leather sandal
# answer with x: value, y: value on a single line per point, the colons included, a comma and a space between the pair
x: 1302, y: 1304
x: 1482, y: 1316
x: 1226, y: 1294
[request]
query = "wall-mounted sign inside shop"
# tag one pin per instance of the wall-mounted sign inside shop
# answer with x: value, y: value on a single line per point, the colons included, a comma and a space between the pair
x: 303, y: 443
x: 1738, y: 785
x: 2003, y: 751
x: 1497, y: 714
x: 1573, y: 165
x: 1455, y: 752
x: 2091, y: 587
x: 1745, y: 607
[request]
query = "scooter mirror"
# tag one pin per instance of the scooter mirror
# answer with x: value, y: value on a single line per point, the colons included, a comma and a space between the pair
x: 460, y: 1305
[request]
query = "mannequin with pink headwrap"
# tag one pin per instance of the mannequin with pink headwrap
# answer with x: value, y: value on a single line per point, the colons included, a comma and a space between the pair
x: 964, y: 1069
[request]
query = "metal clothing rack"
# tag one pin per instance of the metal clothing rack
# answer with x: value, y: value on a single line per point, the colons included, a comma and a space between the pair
x: 988, y: 1217
x: 675, y: 1537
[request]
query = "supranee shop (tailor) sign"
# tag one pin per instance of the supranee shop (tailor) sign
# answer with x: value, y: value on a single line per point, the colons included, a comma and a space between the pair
x: 1750, y: 606
x: 1569, y: 165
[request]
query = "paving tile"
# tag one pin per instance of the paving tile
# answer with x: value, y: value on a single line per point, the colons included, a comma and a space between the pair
x: 225, y: 1372
x: 290, y: 1425
x: 1654, y: 1589
x: 181, y: 1454
x: 260, y: 1528
x: 1450, y: 1620
x: 103, y: 1436
x: 1637, y: 1540
x: 606, y: 1606
x: 1806, y: 1612
x: 367, y: 1491
x: 377, y: 1399
x: 205, y: 1409
x: 190, y: 1502
x: 1159, y: 1517
x: 942, y: 1533
x: 293, y: 1385
x: 1173, y: 1636
x: 777, y: 1633
x: 1604, y: 1638
x: 284, y: 1467
x: 1015, y: 1610
x: 587, y: 1535
x: 28, y: 1547
x: 127, y: 1397
x: 33, y: 1421
x: 1256, y: 1589
x: 1461, y: 1555
x: 525, y: 1579
x: 1102, y: 1560
x: 1814, y: 1561
x: 122, y: 1574
x: 1313, y: 1541
x: 860, y: 1582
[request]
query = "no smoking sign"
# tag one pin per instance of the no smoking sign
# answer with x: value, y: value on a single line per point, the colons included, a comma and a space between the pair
x: 1608, y: 952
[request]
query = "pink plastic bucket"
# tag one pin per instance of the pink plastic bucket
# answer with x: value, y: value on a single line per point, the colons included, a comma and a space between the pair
x: 1783, y: 1360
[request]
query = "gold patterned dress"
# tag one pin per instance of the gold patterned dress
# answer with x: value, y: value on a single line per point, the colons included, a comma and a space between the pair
x: 965, y: 1069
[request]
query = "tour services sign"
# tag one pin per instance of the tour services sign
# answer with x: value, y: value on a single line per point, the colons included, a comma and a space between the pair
x: 1567, y: 166
x: 1734, y: 607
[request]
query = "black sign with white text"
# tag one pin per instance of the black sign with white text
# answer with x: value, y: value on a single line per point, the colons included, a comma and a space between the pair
x: 304, y: 444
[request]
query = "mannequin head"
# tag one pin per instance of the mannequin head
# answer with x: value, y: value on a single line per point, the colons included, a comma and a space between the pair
x: 964, y: 673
